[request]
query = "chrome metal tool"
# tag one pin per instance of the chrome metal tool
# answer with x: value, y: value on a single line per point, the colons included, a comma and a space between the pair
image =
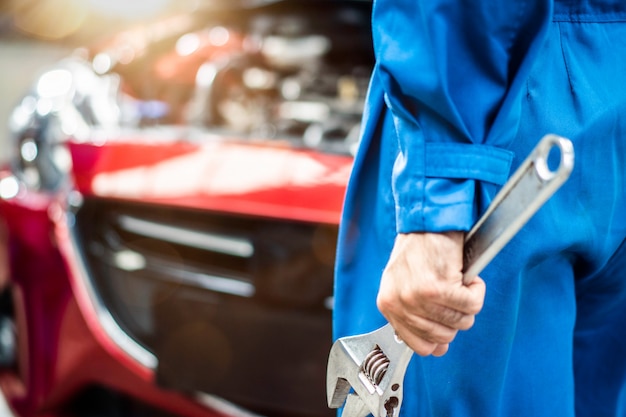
x: 366, y: 372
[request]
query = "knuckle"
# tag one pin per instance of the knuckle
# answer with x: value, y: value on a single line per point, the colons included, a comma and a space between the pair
x: 474, y: 307
x: 441, y: 350
x: 429, y: 329
x: 467, y: 322
x: 447, y: 338
x: 447, y: 316
x: 435, y: 332
x: 451, y: 316
x: 423, y: 348
x: 386, y: 300
x: 430, y: 293
x: 478, y: 306
x: 382, y: 302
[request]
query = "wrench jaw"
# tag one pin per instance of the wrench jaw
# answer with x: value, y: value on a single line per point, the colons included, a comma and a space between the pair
x: 355, y: 407
x: 366, y: 372
x: 342, y: 369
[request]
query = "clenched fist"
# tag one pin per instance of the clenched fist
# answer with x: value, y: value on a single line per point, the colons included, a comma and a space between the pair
x: 422, y: 294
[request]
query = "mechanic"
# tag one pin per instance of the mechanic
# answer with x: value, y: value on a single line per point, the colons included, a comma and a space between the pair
x: 461, y: 92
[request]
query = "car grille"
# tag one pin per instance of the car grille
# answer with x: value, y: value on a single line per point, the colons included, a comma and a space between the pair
x: 239, y: 307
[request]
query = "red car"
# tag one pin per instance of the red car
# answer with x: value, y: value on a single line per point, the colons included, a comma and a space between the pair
x: 169, y: 215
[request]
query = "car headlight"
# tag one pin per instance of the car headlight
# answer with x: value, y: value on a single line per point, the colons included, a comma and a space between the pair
x: 66, y: 102
x: 39, y: 157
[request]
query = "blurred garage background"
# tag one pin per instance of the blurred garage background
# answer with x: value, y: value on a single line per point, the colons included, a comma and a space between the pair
x: 36, y: 33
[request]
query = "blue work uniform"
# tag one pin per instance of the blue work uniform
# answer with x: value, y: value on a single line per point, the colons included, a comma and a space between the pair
x: 461, y: 92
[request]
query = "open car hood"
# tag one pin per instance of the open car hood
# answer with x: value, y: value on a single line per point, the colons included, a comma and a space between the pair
x: 244, y: 178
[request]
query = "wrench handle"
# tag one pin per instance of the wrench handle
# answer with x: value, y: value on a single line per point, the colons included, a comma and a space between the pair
x: 532, y: 184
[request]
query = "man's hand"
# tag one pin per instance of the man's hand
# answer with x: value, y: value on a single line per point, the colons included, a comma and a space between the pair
x: 422, y: 293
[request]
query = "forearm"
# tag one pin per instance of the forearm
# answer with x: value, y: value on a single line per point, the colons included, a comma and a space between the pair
x: 453, y: 72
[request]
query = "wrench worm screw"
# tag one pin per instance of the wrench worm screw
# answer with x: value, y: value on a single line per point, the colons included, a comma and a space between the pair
x: 375, y: 365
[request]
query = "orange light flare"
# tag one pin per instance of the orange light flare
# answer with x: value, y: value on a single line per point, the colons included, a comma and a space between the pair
x: 129, y: 10
x: 49, y: 19
x: 59, y: 19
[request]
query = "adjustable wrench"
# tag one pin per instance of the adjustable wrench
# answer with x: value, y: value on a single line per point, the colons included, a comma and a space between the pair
x: 366, y: 372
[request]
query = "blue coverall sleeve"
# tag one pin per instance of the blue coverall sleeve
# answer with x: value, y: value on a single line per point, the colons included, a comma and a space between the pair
x: 453, y: 73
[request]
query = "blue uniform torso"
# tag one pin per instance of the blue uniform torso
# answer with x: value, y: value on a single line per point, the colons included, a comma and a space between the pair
x: 461, y: 92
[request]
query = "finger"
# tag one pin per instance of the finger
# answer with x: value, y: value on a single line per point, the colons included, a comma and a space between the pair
x: 477, y: 288
x: 441, y: 350
x: 439, y: 305
x: 424, y: 347
x: 466, y: 299
x: 447, y: 317
x: 424, y: 329
x: 420, y: 346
